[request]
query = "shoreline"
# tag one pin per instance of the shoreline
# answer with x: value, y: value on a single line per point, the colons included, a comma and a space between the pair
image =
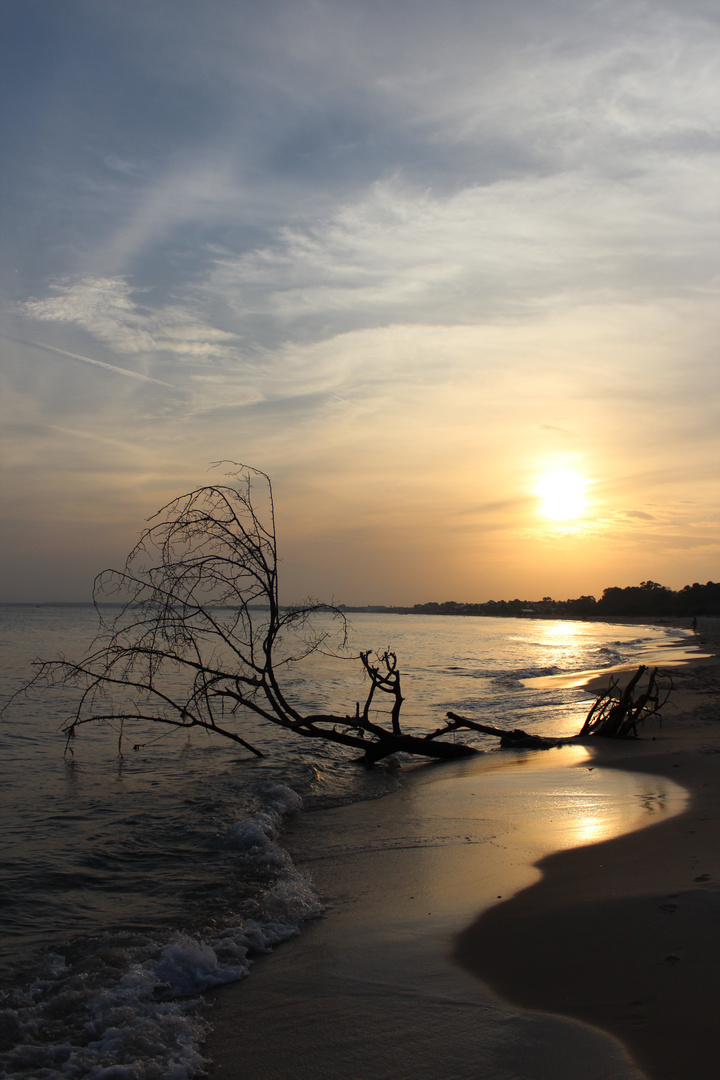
x: 625, y: 934
x: 371, y: 989
x: 377, y: 987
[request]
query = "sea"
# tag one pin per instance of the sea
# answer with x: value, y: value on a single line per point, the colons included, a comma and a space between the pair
x: 136, y: 873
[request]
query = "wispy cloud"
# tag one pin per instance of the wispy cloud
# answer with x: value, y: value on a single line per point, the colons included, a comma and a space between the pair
x: 491, y: 253
x: 107, y: 308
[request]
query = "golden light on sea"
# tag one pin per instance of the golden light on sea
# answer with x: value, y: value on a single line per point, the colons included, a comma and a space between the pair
x: 563, y: 495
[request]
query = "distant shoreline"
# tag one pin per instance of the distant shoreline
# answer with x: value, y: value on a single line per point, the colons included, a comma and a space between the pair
x: 683, y: 620
x: 649, y: 619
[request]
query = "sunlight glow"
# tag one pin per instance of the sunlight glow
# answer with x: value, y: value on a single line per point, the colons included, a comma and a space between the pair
x: 591, y: 829
x: 562, y: 494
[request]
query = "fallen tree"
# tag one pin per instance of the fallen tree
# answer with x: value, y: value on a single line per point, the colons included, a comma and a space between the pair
x: 200, y: 640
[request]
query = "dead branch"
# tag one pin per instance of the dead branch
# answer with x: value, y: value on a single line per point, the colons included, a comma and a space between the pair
x: 615, y: 714
x: 515, y: 738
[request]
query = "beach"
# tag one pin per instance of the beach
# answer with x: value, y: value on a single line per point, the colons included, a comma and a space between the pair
x: 469, y: 933
x: 626, y: 934
x: 244, y: 853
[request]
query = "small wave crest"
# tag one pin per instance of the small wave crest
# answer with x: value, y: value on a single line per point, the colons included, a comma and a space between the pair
x: 511, y: 678
x: 609, y: 655
x: 344, y: 783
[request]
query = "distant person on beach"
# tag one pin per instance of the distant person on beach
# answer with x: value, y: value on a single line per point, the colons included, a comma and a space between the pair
x: 694, y: 624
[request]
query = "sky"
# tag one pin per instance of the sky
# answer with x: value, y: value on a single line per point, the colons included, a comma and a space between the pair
x: 448, y: 273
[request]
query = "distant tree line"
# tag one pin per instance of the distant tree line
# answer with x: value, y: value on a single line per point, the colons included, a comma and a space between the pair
x: 646, y: 599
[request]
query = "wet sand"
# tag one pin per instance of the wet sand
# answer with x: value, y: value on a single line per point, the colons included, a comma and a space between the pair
x: 401, y: 978
x: 371, y: 990
x: 625, y: 934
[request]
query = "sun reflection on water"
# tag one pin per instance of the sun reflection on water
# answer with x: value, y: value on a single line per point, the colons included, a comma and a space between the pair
x: 590, y: 829
x: 586, y: 816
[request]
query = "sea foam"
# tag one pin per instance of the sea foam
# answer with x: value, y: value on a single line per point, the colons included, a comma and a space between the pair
x: 124, y: 1006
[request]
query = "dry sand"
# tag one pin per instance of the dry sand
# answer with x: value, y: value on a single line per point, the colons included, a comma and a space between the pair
x: 396, y: 980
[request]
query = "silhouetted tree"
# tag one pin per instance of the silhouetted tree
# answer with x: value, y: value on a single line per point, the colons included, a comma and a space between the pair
x: 200, y: 639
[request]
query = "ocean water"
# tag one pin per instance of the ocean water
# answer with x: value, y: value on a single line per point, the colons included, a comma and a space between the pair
x: 131, y: 881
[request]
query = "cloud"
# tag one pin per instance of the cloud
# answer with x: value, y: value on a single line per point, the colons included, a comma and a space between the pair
x: 640, y: 514
x: 106, y: 308
x: 485, y: 253
x: 121, y: 165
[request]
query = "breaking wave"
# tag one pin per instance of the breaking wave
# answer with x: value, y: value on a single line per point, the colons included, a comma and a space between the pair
x: 123, y: 1006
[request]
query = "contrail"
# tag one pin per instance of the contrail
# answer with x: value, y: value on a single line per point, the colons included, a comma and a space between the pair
x: 88, y: 360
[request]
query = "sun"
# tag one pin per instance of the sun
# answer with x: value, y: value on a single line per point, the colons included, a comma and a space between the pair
x: 563, y: 495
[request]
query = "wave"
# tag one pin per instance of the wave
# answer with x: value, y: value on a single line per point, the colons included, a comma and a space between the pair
x: 123, y: 1006
x: 509, y: 678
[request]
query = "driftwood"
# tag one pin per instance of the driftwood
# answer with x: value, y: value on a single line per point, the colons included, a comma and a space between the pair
x: 616, y: 714
x: 508, y: 739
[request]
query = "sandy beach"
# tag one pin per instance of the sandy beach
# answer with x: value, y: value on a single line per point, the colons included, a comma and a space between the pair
x: 626, y: 934
x: 496, y: 917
